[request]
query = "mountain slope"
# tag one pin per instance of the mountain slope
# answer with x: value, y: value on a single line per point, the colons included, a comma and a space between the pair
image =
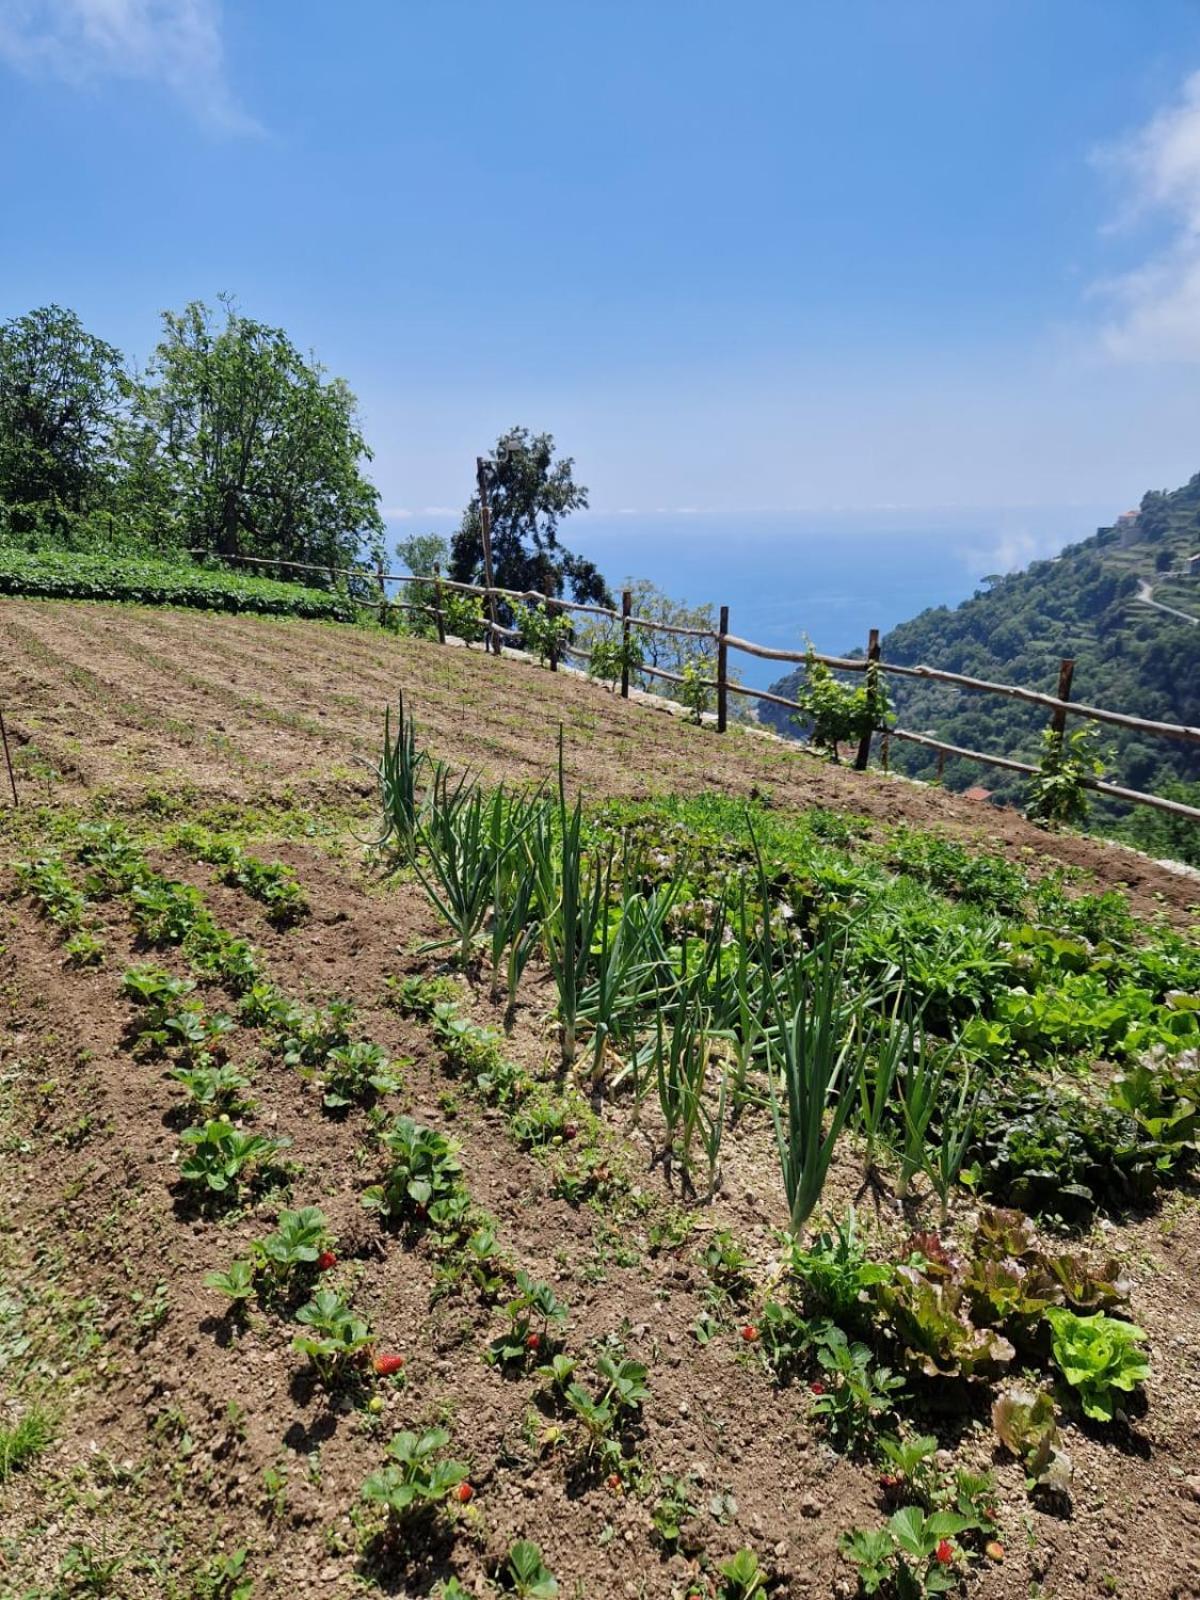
x: 1121, y: 603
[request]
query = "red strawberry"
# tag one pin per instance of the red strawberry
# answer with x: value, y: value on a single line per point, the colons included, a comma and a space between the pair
x: 326, y: 1260
x: 817, y: 1386
x: 944, y: 1552
x: 570, y: 1130
x: 889, y: 1480
x: 387, y: 1365
x: 533, y: 1342
x: 464, y: 1493
x: 750, y: 1333
x: 612, y: 1482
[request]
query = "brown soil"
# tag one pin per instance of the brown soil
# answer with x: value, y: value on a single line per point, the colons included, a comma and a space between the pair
x: 130, y: 698
x: 168, y: 1416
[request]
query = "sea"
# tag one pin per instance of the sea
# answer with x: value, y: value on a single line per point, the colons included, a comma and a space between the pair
x: 826, y: 576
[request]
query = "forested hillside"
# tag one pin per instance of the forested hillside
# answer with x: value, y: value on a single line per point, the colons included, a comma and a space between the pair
x: 1092, y: 603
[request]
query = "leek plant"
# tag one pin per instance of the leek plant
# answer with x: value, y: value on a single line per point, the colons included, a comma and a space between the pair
x: 884, y: 1043
x: 466, y: 839
x: 814, y: 1049
x: 739, y: 995
x: 571, y: 904
x: 921, y: 1072
x: 682, y: 1055
x: 944, y: 1160
x: 625, y: 962
x: 399, y: 771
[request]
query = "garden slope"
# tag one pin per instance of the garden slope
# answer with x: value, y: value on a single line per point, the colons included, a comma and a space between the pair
x: 130, y: 699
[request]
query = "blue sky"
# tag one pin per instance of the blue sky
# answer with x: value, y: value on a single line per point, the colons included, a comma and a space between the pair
x: 737, y: 258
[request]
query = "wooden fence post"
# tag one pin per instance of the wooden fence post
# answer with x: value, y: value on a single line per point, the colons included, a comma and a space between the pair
x: 8, y: 759
x: 485, y: 531
x: 626, y: 609
x: 723, y: 672
x: 869, y: 679
x: 550, y: 616
x: 1066, y: 671
x: 439, y: 615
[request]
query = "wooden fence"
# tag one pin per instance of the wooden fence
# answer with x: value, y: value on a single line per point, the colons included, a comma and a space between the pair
x: 1060, y: 705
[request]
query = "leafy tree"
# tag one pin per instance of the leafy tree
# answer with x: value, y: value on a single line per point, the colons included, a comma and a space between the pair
x: 421, y: 552
x: 62, y: 398
x: 257, y: 451
x: 529, y: 494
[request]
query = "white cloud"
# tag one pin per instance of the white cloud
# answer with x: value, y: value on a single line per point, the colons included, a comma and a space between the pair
x: 176, y: 43
x: 1157, y: 305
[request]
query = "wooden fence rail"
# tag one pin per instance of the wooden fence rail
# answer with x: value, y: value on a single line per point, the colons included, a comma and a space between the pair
x: 1060, y: 705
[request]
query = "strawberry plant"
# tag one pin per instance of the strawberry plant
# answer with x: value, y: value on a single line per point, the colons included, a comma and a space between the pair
x: 355, y: 1073
x: 675, y: 1504
x: 784, y: 1337
x: 213, y: 1089
x: 85, y: 949
x: 1098, y: 1356
x: 424, y: 1169
x: 153, y: 989
x: 526, y: 1574
x: 293, y: 1250
x: 222, y: 956
x: 271, y: 883
x: 236, y: 1283
x: 307, y: 1037
x: 856, y: 1395
x: 532, y: 1314
x: 114, y: 862
x: 336, y: 1339
x: 742, y: 1578
x: 48, y: 881
x: 220, y: 1157
x: 911, y: 1557
x: 417, y: 1477
x: 165, y: 913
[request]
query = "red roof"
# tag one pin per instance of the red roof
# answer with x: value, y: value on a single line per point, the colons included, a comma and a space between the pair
x: 977, y: 794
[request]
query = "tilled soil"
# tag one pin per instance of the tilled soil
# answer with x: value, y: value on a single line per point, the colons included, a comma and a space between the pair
x: 129, y: 699
x: 180, y: 1436
x: 170, y: 1416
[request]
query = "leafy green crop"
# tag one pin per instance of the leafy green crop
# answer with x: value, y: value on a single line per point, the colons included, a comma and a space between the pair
x: 77, y: 575
x: 1097, y: 1355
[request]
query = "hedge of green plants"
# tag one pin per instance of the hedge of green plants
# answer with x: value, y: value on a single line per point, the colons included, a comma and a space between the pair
x: 72, y: 575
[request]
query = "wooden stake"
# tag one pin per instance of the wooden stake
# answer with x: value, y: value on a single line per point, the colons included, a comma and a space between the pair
x: 550, y: 615
x: 722, y: 671
x: 626, y: 609
x: 439, y: 616
x: 485, y: 529
x: 8, y: 760
x: 864, y: 744
x: 1066, y: 671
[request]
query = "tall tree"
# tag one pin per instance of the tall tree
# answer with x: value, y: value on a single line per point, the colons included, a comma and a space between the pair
x: 62, y: 396
x: 262, y: 451
x: 529, y: 494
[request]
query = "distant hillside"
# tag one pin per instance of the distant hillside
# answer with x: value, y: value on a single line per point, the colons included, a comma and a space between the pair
x: 1090, y: 603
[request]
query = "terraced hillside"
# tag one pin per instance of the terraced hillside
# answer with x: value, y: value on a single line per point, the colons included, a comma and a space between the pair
x: 288, y: 1194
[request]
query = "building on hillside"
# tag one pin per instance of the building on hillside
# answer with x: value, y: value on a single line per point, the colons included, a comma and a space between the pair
x: 977, y: 793
x: 1127, y: 527
x: 1191, y: 566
